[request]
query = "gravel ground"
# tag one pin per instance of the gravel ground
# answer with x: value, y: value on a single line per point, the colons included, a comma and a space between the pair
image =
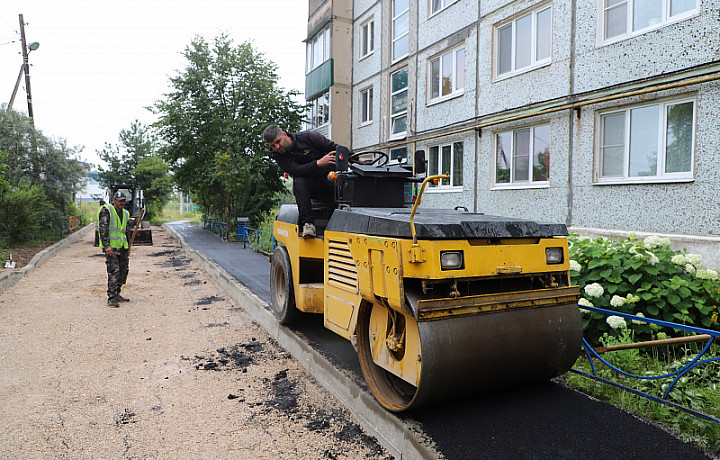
x: 178, y: 372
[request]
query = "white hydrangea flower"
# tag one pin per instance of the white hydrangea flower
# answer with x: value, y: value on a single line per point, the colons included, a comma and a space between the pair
x: 690, y: 268
x: 695, y: 259
x: 665, y: 241
x: 679, y: 259
x: 708, y: 274
x: 652, y: 259
x: 617, y: 301
x: 662, y: 336
x: 652, y: 242
x: 632, y: 298
x: 637, y: 321
x: 633, y: 250
x: 583, y: 302
x: 575, y: 266
x: 632, y: 236
x: 616, y: 322
x: 594, y: 290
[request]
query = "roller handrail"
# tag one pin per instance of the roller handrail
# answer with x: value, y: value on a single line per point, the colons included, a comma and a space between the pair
x: 436, y: 178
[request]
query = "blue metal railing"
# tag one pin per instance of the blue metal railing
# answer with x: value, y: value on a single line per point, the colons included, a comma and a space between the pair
x: 678, y: 374
x: 260, y: 240
x: 217, y: 227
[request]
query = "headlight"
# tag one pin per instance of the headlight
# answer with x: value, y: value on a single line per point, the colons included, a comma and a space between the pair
x: 451, y: 260
x: 554, y: 255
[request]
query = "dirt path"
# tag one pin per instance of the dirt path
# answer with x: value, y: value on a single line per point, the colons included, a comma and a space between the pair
x: 178, y: 372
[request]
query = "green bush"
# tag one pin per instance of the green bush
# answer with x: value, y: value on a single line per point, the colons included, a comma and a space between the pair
x: 23, y: 214
x: 644, y: 278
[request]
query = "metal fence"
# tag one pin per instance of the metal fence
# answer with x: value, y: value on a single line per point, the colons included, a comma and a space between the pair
x: 676, y: 375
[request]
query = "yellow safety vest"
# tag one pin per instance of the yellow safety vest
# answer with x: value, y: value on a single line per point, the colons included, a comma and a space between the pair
x: 118, y: 237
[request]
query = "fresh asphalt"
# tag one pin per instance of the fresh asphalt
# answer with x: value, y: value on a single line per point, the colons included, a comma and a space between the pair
x: 541, y: 421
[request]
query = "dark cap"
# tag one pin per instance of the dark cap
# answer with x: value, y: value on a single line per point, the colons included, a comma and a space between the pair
x: 119, y: 196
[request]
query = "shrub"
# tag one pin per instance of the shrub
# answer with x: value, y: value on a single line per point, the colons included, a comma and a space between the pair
x: 22, y: 214
x: 645, y: 278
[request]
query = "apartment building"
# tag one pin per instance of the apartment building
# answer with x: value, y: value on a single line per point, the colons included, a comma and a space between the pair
x: 328, y: 68
x: 598, y: 113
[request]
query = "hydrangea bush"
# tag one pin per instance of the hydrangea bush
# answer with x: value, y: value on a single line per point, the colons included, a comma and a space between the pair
x: 644, y: 278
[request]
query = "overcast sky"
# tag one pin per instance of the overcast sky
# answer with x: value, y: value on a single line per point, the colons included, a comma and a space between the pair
x: 101, y: 62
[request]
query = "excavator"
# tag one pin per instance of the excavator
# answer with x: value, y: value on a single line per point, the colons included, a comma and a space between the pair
x: 437, y: 302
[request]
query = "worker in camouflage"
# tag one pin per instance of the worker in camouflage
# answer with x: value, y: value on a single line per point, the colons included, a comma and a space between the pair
x: 112, y: 224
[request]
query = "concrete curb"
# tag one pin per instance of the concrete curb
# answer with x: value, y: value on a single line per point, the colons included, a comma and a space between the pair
x: 8, y: 278
x: 391, y: 432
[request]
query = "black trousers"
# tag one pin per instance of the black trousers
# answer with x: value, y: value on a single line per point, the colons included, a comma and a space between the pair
x: 117, y: 270
x: 311, y: 188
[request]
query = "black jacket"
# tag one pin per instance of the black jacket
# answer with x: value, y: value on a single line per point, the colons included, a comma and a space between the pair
x: 307, y: 148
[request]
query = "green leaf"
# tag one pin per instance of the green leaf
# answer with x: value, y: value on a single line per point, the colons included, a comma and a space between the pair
x: 674, y: 299
x: 634, y: 278
x: 653, y: 310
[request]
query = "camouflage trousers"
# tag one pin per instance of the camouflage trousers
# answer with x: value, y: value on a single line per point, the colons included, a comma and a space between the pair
x: 117, y: 270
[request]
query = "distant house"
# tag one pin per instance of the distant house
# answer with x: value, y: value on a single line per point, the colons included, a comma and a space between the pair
x: 92, y: 190
x: 598, y: 114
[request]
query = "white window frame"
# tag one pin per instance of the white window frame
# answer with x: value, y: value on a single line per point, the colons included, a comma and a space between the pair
x: 317, y: 50
x: 666, y: 18
x: 510, y: 162
x: 661, y: 176
x: 366, y: 106
x: 535, y: 62
x: 442, y: 5
x: 367, y: 38
x: 405, y: 35
x: 440, y: 168
x: 456, y: 89
x: 316, y: 108
x: 401, y: 113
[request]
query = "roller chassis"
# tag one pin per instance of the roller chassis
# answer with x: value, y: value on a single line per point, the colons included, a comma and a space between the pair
x: 425, y: 332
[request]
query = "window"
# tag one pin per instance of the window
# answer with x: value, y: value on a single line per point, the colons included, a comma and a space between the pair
x: 437, y: 5
x: 367, y: 37
x: 318, y: 49
x: 366, y: 106
x: 400, y: 28
x: 399, y: 154
x: 447, y: 75
x: 398, y: 103
x: 320, y: 110
x: 522, y: 156
x: 625, y: 17
x: 524, y: 43
x: 648, y: 142
x: 447, y: 159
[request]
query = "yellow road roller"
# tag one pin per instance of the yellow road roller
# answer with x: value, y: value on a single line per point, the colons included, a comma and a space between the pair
x: 437, y: 302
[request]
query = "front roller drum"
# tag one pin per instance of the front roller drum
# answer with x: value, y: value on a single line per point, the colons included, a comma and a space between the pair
x: 464, y: 355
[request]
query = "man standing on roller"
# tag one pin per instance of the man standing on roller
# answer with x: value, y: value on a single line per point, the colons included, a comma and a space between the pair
x: 308, y: 157
x: 112, y: 224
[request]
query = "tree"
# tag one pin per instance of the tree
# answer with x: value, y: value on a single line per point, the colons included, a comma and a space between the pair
x: 136, y: 161
x: 212, y: 124
x: 37, y: 168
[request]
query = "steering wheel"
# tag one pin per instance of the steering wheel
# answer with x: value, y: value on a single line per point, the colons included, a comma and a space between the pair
x: 379, y: 161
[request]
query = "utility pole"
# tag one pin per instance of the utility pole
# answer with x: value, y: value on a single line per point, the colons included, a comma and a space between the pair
x: 26, y: 66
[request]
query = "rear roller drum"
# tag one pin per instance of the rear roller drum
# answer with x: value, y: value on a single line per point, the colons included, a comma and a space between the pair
x: 282, y: 295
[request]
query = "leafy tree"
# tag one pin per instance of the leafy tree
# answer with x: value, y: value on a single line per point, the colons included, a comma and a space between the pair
x: 34, y: 161
x: 136, y: 161
x: 212, y: 124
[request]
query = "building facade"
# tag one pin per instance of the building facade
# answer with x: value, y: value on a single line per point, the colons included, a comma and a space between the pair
x: 328, y: 68
x: 599, y: 114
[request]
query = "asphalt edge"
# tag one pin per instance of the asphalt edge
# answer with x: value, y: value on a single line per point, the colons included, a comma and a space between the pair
x: 388, y: 429
x: 7, y: 279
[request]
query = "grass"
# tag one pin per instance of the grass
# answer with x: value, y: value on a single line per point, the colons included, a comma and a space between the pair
x: 698, y: 389
x: 171, y: 213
